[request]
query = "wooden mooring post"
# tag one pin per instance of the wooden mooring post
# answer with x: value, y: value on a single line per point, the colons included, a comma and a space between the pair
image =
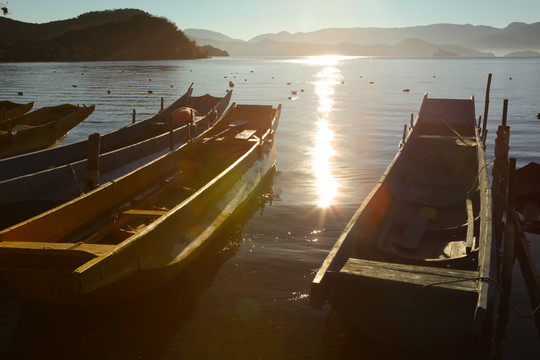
x: 516, y: 245
x: 500, y: 175
x: 133, y: 117
x: 509, y: 233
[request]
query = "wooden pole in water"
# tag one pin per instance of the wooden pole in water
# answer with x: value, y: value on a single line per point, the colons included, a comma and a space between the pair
x: 133, y: 117
x: 509, y: 254
x: 500, y: 176
x: 191, y: 118
x: 486, y: 105
x: 404, y: 131
x: 92, y: 163
x: 412, y: 120
x: 161, y: 104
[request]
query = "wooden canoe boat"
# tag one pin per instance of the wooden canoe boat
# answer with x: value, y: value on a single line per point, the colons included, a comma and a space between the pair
x: 411, y: 266
x: 40, y: 116
x: 136, y: 233
x: 10, y: 110
x: 45, y: 131
x: 25, y: 196
x: 128, y: 135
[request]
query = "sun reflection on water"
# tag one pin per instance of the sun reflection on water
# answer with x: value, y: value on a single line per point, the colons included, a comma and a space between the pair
x: 323, y: 150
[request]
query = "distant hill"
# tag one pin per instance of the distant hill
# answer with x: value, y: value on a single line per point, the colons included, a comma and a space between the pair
x: 406, y: 48
x: 471, y: 39
x: 109, y: 35
x: 207, y: 34
x: 523, y: 54
x: 13, y: 30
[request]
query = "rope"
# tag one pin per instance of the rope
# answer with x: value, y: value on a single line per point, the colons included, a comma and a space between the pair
x: 75, y: 178
x: 481, y: 278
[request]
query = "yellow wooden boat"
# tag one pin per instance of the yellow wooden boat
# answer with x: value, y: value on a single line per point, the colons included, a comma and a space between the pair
x: 136, y: 233
x: 40, y: 129
x: 10, y: 110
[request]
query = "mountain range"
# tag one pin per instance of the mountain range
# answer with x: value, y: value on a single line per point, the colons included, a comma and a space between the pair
x: 518, y: 39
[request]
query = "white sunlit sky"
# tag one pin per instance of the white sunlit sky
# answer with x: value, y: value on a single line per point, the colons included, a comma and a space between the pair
x: 245, y: 19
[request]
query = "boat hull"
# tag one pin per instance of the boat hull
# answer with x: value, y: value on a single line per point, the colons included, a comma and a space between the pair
x: 411, y: 267
x: 32, y: 138
x: 73, y: 267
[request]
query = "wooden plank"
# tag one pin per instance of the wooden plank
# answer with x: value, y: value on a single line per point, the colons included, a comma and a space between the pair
x: 96, y: 249
x: 416, y: 228
x: 413, y: 274
x: 246, y: 134
x: 470, y: 225
x: 389, y: 218
x: 144, y: 213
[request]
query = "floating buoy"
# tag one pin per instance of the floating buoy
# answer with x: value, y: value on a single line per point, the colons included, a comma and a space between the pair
x: 224, y: 77
x: 290, y: 98
x: 251, y: 71
x: 510, y: 78
x: 294, y: 92
x: 301, y: 90
x: 108, y: 91
x: 231, y: 84
x: 371, y: 82
x: 289, y: 84
x: 150, y: 91
x: 171, y: 86
x: 182, y: 115
x: 406, y: 90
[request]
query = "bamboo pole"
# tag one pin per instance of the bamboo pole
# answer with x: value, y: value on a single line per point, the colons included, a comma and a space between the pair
x: 92, y: 163
x: 509, y: 254
x: 486, y: 105
x: 500, y: 175
x: 171, y: 133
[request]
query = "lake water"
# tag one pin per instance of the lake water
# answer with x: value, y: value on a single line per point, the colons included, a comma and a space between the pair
x: 248, y: 296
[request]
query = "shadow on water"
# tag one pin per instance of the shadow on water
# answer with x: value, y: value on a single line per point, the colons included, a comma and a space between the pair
x: 139, y: 329
x: 344, y: 342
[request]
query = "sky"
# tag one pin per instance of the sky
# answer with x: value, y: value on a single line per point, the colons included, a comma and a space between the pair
x: 245, y: 19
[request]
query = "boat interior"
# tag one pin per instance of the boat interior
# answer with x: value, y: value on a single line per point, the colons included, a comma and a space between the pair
x: 426, y: 209
x: 96, y: 224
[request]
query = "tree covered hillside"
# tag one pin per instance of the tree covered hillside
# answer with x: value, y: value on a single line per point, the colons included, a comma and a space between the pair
x: 132, y: 35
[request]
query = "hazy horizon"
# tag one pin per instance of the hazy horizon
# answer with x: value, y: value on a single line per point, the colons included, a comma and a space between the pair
x: 244, y: 19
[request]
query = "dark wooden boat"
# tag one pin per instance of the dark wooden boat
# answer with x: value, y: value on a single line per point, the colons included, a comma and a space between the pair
x: 29, y: 132
x: 128, y: 135
x: 527, y: 196
x: 411, y: 266
x: 136, y: 233
x: 40, y: 116
x: 10, y: 110
x: 28, y: 195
